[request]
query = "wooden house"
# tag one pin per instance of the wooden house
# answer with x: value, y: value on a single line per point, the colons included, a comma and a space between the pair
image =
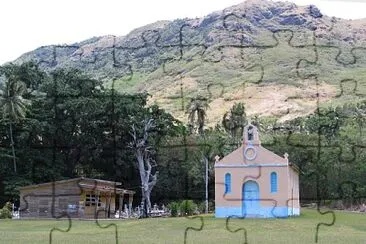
x: 77, y: 198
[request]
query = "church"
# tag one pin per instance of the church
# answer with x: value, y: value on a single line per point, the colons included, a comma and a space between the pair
x: 253, y: 182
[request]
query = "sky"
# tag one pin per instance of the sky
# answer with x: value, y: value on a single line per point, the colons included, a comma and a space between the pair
x: 28, y: 24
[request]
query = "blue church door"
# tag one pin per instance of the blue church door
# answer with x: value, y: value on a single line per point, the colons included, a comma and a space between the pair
x: 251, y: 206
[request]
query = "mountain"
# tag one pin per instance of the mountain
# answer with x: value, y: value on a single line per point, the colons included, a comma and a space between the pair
x: 258, y: 52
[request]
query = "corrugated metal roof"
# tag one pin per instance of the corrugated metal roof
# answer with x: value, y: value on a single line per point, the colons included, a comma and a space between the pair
x: 80, y: 179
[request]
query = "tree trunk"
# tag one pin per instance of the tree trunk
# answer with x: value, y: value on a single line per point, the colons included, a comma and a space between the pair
x: 148, y: 202
x: 12, y: 146
x: 205, y: 159
x: 144, y: 162
x: 146, y: 191
x: 186, y: 186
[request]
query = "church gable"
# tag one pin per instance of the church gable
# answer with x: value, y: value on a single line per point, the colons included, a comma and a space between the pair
x: 251, y: 152
x: 251, y: 155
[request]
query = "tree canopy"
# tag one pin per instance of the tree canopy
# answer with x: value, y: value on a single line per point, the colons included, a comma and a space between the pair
x: 64, y: 124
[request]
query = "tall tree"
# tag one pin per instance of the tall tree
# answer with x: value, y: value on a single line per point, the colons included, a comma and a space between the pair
x: 145, y: 162
x: 13, y: 104
x: 197, y: 115
x: 197, y: 108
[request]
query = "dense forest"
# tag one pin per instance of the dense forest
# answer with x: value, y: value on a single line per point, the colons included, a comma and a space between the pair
x: 64, y: 124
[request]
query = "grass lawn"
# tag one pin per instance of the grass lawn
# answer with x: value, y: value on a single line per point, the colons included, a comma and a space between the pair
x: 348, y: 228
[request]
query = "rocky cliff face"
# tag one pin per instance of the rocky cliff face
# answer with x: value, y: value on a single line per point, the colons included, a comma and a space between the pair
x: 205, y: 56
x: 250, y: 18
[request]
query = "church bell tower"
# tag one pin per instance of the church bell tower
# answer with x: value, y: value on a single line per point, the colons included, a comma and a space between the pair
x: 251, y: 136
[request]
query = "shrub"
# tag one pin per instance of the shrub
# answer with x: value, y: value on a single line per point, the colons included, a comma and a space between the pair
x: 187, y: 207
x: 5, y: 212
x: 201, y: 207
x: 173, y: 207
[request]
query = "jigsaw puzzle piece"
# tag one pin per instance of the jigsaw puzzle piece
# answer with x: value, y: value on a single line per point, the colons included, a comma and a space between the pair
x: 241, y: 33
x: 237, y: 48
x: 237, y: 35
x: 331, y: 223
x: 191, y: 43
x: 238, y: 30
x: 230, y: 229
x: 244, y: 85
x: 187, y: 51
x: 106, y: 212
x: 185, y: 147
x: 185, y: 90
x: 347, y: 189
x: 151, y: 54
x: 234, y: 228
x: 56, y: 215
x: 341, y: 79
x: 246, y: 66
x: 345, y: 42
x: 351, y: 84
x: 180, y: 145
x: 326, y: 122
x: 151, y: 39
x: 111, y: 225
x: 293, y: 54
x: 57, y: 53
x: 69, y: 205
x: 190, y: 228
x: 101, y: 57
x: 318, y: 195
x: 121, y: 57
x: 85, y: 55
x: 175, y: 68
x: 54, y: 229
x: 213, y: 54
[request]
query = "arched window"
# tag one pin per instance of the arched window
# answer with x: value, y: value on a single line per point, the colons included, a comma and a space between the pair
x: 273, y: 182
x: 227, y: 183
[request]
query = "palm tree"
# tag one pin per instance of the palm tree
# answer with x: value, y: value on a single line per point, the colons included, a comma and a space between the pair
x: 197, y: 108
x: 13, y: 106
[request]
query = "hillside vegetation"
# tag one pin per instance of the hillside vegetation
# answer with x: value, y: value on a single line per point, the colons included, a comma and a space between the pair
x: 245, y: 53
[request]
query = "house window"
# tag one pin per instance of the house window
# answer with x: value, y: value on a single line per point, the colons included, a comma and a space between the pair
x: 273, y: 182
x: 91, y: 200
x: 227, y: 183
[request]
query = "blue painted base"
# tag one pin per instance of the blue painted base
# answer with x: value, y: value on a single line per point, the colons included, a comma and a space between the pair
x: 263, y: 212
x: 294, y: 211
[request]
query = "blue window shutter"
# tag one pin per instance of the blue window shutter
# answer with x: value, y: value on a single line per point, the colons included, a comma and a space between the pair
x: 227, y: 183
x: 273, y: 182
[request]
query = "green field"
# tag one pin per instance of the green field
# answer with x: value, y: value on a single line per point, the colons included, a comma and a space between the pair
x: 348, y: 228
